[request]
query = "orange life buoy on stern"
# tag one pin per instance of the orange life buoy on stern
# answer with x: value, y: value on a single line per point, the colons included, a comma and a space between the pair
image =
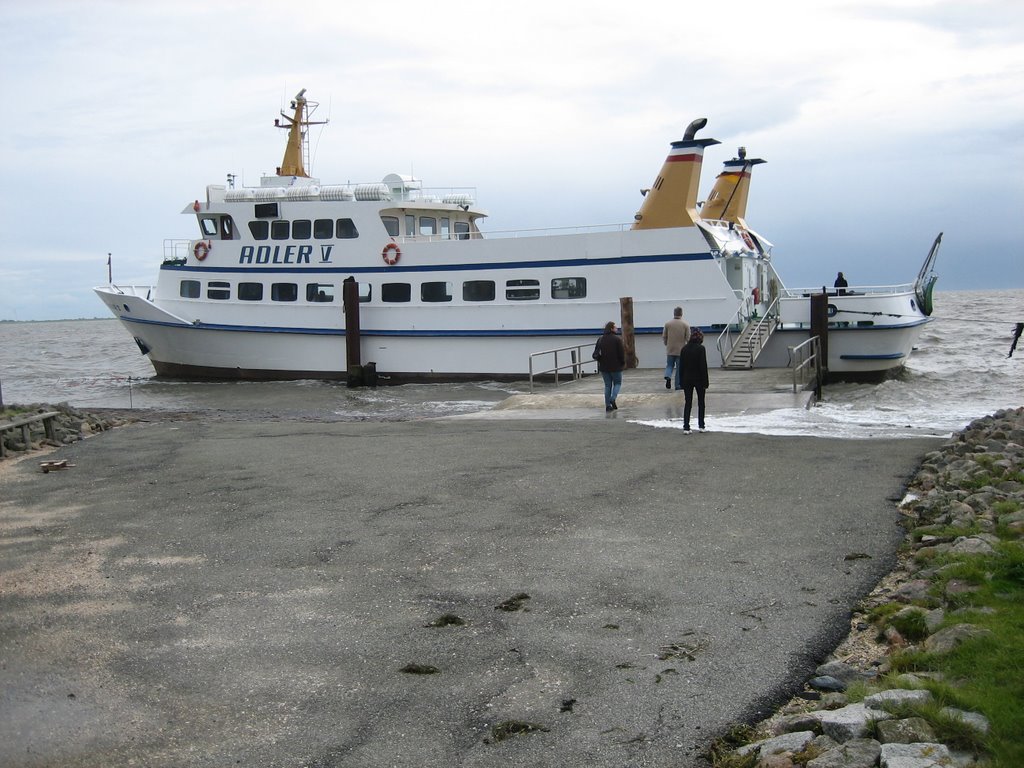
x: 201, y: 249
x: 391, y: 254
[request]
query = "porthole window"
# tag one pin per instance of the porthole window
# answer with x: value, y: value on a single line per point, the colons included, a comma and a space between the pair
x: 522, y: 290
x: 396, y: 292
x: 279, y: 230
x: 323, y: 229
x: 216, y: 289
x: 189, y: 289
x: 347, y: 229
x: 436, y: 291
x: 569, y: 288
x: 302, y: 229
x: 478, y: 290
x: 284, y: 292
x: 319, y: 292
x: 260, y: 230
x: 250, y: 291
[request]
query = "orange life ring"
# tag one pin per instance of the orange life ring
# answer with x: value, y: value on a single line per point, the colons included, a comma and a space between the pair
x: 747, y: 239
x: 391, y: 254
x: 201, y: 249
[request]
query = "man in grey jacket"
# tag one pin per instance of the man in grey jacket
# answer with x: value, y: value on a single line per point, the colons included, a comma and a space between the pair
x: 674, y: 336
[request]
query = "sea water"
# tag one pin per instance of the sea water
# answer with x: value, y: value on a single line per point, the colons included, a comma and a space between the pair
x: 960, y: 370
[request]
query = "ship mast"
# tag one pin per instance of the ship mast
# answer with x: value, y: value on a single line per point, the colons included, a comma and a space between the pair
x: 296, y: 152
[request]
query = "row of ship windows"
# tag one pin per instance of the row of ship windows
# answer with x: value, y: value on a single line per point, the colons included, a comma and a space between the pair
x: 334, y: 229
x: 432, y: 291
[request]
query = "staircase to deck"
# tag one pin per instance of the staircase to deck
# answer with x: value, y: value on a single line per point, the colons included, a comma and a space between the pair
x: 750, y: 343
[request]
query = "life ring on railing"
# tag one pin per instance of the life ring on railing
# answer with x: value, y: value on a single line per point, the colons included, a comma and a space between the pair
x: 747, y: 239
x: 201, y: 249
x: 391, y: 254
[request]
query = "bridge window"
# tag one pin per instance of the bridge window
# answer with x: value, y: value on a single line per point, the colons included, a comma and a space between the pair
x: 446, y: 228
x: 323, y: 229
x: 522, y: 290
x: 302, y: 229
x: 436, y: 291
x: 189, y: 289
x: 227, y: 228
x: 215, y: 289
x: 347, y: 229
x: 279, y: 230
x: 428, y: 225
x: 397, y: 292
x: 260, y: 229
x: 250, y: 291
x: 319, y: 292
x: 284, y: 292
x: 410, y: 225
x: 478, y: 290
x: 569, y: 288
x: 209, y: 226
x: 462, y: 230
x: 390, y: 224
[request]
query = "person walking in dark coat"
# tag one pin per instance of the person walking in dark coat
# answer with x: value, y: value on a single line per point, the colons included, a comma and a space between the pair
x: 693, y: 366
x: 610, y: 354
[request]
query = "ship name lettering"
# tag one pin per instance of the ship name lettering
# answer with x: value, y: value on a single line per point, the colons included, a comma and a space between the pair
x: 264, y: 254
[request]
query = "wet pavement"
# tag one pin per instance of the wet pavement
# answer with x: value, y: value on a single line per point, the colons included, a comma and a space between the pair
x: 285, y: 593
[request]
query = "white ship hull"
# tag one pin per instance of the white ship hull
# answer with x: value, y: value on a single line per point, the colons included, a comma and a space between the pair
x: 260, y: 295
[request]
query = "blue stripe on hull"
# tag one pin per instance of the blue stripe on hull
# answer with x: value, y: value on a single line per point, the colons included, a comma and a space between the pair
x: 403, y: 269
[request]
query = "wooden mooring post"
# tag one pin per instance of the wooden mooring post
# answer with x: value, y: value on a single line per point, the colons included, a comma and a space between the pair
x: 628, y: 330
x: 353, y: 355
x: 819, y: 328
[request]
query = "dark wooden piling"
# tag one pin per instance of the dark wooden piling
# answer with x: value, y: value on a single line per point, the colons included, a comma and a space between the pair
x: 353, y: 356
x: 628, y: 330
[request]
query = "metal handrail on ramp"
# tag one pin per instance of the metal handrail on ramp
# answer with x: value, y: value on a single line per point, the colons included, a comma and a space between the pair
x: 578, y: 360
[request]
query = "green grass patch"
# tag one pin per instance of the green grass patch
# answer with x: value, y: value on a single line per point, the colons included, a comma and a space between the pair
x: 984, y: 675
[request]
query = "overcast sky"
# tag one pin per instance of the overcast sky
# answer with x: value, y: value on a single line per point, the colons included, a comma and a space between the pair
x: 882, y: 123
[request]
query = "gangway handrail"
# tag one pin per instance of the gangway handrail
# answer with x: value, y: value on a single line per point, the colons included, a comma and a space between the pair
x: 754, y: 340
x: 576, y: 363
x: 809, y: 354
x: 724, y: 335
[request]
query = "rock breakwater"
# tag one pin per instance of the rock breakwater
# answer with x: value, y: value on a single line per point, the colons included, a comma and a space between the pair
x: 69, y: 426
x: 965, y: 503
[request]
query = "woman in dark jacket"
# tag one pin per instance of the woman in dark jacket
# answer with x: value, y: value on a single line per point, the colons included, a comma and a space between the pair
x: 693, y: 365
x: 611, y: 362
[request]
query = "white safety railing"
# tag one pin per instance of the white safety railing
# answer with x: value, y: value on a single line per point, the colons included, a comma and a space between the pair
x: 573, y: 359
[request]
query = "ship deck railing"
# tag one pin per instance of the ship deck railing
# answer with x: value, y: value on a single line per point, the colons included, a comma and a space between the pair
x: 566, y: 362
x: 853, y: 290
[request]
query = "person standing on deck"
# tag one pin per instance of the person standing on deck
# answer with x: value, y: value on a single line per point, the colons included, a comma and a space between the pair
x: 674, y: 336
x: 610, y: 354
x: 693, y: 371
x: 840, y: 284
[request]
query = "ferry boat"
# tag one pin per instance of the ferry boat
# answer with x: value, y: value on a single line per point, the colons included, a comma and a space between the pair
x: 258, y: 293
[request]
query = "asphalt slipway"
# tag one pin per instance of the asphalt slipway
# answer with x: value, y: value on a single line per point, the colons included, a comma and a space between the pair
x: 215, y: 593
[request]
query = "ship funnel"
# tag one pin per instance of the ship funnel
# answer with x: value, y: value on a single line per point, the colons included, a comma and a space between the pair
x: 693, y: 127
x: 728, y: 198
x: 672, y: 199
